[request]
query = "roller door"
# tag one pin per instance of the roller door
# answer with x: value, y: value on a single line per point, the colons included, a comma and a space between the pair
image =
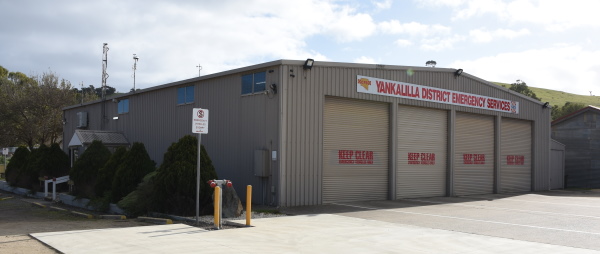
x: 474, y: 154
x: 355, y: 150
x: 515, y: 152
x: 421, y: 159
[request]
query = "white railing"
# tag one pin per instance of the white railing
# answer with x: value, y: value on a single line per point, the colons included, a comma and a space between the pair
x: 54, y: 182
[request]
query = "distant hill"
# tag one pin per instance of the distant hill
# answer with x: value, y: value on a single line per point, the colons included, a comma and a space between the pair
x: 559, y: 98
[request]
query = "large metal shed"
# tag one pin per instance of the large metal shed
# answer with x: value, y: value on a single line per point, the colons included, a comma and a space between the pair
x: 312, y: 134
x: 580, y: 134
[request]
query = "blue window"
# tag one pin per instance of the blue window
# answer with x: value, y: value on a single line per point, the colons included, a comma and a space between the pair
x: 123, y: 106
x: 185, y: 95
x: 254, y: 83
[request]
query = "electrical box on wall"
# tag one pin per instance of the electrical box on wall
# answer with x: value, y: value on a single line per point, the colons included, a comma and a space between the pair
x: 261, y: 163
x: 82, y: 119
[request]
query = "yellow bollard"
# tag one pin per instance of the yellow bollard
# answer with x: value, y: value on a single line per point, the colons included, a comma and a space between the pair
x: 248, y: 204
x: 217, y: 205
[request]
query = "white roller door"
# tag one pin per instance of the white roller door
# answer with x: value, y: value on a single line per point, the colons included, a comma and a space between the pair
x: 421, y: 158
x: 355, y: 150
x: 474, y: 154
x: 515, y: 152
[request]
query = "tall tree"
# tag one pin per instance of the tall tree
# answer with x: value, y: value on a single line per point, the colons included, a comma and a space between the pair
x: 522, y: 88
x: 31, y: 108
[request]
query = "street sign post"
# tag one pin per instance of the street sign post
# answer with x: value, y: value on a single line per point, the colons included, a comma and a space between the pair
x: 200, y: 126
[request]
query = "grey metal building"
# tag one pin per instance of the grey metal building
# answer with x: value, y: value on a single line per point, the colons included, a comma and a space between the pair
x: 307, y: 134
x: 580, y: 133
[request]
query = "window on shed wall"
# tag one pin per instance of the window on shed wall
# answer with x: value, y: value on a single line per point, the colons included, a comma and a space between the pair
x: 254, y: 83
x: 123, y: 106
x: 185, y: 95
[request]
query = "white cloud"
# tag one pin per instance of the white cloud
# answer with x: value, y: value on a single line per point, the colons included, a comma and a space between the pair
x: 553, y: 15
x: 565, y: 68
x: 169, y: 38
x: 365, y: 59
x: 440, y: 43
x: 382, y: 5
x: 482, y: 36
x: 403, y: 43
x: 412, y: 28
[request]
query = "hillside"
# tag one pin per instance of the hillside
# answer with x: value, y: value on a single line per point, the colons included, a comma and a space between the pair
x: 559, y: 98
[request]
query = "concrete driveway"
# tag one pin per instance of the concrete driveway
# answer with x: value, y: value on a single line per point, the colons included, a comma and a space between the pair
x: 564, y: 218
x: 547, y: 222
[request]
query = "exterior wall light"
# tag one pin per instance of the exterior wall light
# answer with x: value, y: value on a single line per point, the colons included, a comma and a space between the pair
x: 458, y: 73
x: 546, y: 105
x: 308, y: 64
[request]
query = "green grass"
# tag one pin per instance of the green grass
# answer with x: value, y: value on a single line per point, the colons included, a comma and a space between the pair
x: 559, y: 98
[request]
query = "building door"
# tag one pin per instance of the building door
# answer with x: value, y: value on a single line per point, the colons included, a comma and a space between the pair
x: 355, y: 150
x: 474, y: 154
x: 515, y: 155
x: 421, y: 159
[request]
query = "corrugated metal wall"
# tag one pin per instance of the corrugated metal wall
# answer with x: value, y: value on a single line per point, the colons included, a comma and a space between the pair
x: 241, y: 124
x: 238, y: 125
x: 581, y: 136
x: 421, y: 160
x: 303, y: 95
x: 355, y: 150
x: 515, y: 157
x: 557, y: 165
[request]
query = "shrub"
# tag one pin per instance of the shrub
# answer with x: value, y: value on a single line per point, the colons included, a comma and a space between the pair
x: 85, y: 169
x: 16, y: 166
x: 175, y: 181
x: 54, y: 162
x: 36, y: 161
x: 137, y: 202
x: 107, y: 172
x: 136, y: 164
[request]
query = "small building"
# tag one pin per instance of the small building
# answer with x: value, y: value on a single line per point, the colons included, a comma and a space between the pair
x: 580, y: 133
x: 308, y: 133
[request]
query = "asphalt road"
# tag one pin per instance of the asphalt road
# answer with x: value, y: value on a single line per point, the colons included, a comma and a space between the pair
x: 566, y: 218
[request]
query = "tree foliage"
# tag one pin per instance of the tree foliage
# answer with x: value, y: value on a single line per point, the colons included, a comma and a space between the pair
x: 31, y: 108
x: 175, y: 180
x: 85, y: 170
x: 568, y: 108
x: 522, y: 88
x: 136, y: 164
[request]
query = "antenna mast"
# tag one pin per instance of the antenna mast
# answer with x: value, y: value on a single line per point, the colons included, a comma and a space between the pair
x: 135, y: 60
x: 199, y: 69
x: 104, y: 65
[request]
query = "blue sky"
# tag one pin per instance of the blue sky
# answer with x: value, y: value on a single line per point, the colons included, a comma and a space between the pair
x: 546, y: 43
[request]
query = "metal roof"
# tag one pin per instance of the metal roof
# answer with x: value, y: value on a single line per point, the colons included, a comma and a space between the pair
x: 569, y: 116
x: 300, y: 62
x: 108, y: 138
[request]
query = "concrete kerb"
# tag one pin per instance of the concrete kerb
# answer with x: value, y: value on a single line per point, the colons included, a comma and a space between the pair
x: 155, y: 220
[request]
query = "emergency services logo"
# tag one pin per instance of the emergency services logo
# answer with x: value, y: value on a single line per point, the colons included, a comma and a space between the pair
x: 513, y: 107
x: 364, y: 82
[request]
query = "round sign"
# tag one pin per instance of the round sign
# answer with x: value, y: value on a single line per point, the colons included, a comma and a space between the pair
x: 200, y: 113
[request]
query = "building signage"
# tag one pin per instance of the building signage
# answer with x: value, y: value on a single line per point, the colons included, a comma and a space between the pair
x: 200, y: 121
x: 384, y: 87
x: 354, y: 157
x: 473, y: 158
x: 421, y: 158
x: 515, y: 160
